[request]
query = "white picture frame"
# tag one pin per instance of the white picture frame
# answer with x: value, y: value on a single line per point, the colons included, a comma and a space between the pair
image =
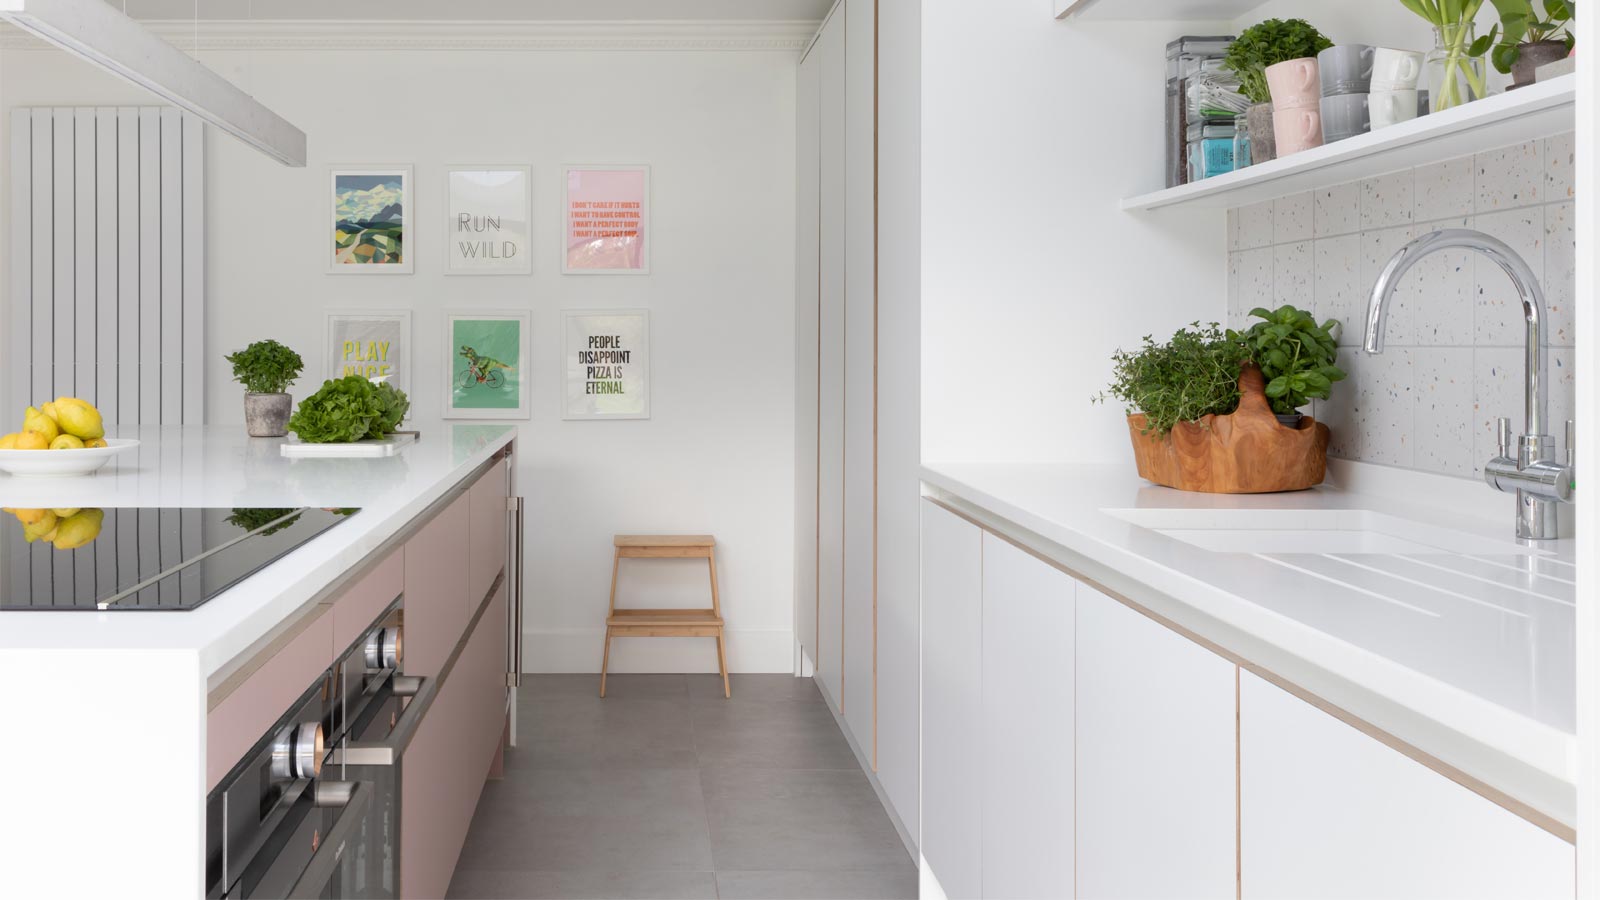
x: 467, y: 387
x: 568, y: 229
x: 337, y: 256
x: 346, y: 324
x: 490, y: 227
x: 587, y: 393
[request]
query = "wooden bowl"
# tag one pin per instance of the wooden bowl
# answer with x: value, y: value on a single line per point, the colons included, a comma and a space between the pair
x: 1244, y: 452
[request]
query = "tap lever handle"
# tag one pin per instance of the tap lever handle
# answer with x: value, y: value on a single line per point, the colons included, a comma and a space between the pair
x: 1572, y: 443
x: 1503, y: 426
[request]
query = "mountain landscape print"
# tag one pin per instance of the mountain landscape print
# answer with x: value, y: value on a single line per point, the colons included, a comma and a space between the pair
x: 369, y: 214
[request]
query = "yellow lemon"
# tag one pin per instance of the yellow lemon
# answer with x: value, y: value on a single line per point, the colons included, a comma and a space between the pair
x: 79, y: 419
x: 36, y: 421
x: 96, y: 442
x: 64, y: 513
x: 48, y: 409
x: 29, y: 516
x: 32, y: 440
x: 9, y: 442
x: 67, y: 442
x: 45, y: 524
x: 79, y: 529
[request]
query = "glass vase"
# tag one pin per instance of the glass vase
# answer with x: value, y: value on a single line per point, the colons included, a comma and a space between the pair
x: 1453, y: 76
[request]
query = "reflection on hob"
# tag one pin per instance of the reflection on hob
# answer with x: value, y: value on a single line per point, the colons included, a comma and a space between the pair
x: 143, y: 558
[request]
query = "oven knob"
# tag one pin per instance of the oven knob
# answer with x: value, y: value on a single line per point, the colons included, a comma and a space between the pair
x: 298, y: 751
x: 332, y: 794
x: 384, y: 648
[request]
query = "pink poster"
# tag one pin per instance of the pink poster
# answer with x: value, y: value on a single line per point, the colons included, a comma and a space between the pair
x: 608, y: 215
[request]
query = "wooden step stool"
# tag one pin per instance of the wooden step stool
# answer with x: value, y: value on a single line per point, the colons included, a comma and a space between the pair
x: 666, y: 622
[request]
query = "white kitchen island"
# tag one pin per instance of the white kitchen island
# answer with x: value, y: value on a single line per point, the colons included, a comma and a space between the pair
x: 106, y: 711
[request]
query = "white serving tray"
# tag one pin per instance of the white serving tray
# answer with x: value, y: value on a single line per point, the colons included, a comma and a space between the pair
x: 389, y: 446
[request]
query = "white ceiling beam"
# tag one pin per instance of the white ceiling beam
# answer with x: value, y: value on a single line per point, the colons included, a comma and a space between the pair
x: 104, y: 36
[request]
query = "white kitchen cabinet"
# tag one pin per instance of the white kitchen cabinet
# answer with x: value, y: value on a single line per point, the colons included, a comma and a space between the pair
x: 1027, y: 681
x: 807, y: 284
x: 1156, y: 777
x: 829, y: 51
x: 952, y: 701
x: 1327, y: 811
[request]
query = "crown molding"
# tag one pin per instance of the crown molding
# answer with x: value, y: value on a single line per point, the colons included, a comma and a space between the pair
x: 785, y: 36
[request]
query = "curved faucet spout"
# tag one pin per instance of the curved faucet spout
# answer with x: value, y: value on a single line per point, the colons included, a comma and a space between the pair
x: 1509, y: 262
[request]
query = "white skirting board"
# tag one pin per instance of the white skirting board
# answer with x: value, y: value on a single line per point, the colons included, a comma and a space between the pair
x: 578, y: 650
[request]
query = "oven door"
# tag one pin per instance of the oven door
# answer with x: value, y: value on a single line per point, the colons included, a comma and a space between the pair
x: 311, y: 854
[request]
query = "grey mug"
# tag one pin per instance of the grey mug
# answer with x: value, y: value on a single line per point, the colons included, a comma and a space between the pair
x: 1346, y: 69
x: 1345, y: 115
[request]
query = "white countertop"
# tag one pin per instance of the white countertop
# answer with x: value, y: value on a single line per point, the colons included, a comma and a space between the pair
x: 219, y: 466
x: 1468, y: 656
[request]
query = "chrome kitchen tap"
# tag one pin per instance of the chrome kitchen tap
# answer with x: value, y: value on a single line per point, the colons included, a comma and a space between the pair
x: 1531, y: 470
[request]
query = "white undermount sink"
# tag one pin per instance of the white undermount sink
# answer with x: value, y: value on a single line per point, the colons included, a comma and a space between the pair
x: 1341, y: 531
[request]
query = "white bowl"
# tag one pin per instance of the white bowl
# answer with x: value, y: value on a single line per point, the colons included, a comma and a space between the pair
x: 52, y: 463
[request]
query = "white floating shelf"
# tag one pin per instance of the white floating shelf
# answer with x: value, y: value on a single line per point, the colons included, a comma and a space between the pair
x: 1538, y: 110
x: 1154, y: 10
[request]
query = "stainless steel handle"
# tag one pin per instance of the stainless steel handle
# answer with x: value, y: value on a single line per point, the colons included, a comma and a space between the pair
x: 1503, y: 425
x: 314, y: 880
x: 1572, y: 443
x: 387, y: 752
x: 514, y: 567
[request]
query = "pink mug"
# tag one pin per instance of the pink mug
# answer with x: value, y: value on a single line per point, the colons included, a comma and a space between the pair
x: 1296, y: 130
x: 1295, y: 84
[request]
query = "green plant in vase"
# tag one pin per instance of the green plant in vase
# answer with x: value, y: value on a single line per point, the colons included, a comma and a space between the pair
x: 1193, y: 375
x: 266, y: 369
x: 1295, y: 354
x: 1455, y: 65
x: 1257, y: 47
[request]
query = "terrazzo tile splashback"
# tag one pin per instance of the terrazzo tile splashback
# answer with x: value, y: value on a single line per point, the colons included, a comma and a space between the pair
x: 1452, y: 360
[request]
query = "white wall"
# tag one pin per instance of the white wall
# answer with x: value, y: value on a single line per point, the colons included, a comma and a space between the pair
x: 717, y: 127
x: 1033, y: 130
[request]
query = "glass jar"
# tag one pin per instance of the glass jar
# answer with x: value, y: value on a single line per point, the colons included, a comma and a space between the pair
x: 1241, y: 142
x: 1453, y: 77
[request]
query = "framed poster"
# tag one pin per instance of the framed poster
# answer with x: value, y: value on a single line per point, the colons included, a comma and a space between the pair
x: 608, y: 364
x: 486, y: 355
x: 607, y: 221
x: 373, y: 343
x: 371, y: 211
x: 488, y: 220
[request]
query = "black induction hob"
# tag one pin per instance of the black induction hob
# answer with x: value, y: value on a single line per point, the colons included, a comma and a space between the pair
x: 146, y: 558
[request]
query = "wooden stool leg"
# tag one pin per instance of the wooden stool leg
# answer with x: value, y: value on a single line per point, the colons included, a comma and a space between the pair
x: 722, y: 663
x: 605, y: 660
x: 611, y: 608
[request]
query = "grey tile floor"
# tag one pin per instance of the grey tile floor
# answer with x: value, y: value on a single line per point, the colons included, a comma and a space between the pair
x: 666, y: 790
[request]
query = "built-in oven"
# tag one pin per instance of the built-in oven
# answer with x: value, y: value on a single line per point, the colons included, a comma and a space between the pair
x: 278, y: 825
x: 378, y: 709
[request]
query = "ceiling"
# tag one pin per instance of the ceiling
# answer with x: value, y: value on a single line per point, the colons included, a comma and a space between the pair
x: 389, y: 11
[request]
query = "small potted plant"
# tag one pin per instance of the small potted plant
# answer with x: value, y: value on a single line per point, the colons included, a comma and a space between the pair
x: 1524, y: 40
x: 266, y: 369
x: 1257, y: 47
x: 1296, y: 357
x: 1199, y: 416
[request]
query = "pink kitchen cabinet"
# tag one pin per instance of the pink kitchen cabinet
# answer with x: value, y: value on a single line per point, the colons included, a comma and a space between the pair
x: 437, y: 607
x: 487, y: 553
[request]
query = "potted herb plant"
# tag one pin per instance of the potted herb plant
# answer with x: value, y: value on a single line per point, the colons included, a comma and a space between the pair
x: 1257, y: 47
x: 1296, y: 357
x: 1454, y: 67
x: 1199, y: 416
x: 1524, y: 40
x: 266, y: 369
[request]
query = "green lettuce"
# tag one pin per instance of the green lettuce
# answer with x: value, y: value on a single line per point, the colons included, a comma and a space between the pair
x: 349, y: 409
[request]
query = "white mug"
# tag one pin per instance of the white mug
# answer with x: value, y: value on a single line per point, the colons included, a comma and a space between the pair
x: 1391, y: 107
x: 1395, y: 70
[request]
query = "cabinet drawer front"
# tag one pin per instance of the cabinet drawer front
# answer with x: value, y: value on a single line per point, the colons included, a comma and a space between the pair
x: 357, y: 607
x: 437, y: 608
x: 487, y: 553
x: 1327, y: 811
x: 245, y: 715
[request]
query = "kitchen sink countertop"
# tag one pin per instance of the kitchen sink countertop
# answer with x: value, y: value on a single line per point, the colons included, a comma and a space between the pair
x: 1399, y: 598
x: 219, y: 466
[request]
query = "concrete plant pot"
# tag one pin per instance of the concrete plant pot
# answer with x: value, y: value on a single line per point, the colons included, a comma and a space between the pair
x: 1531, y: 56
x: 267, y: 415
x: 1263, y: 143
